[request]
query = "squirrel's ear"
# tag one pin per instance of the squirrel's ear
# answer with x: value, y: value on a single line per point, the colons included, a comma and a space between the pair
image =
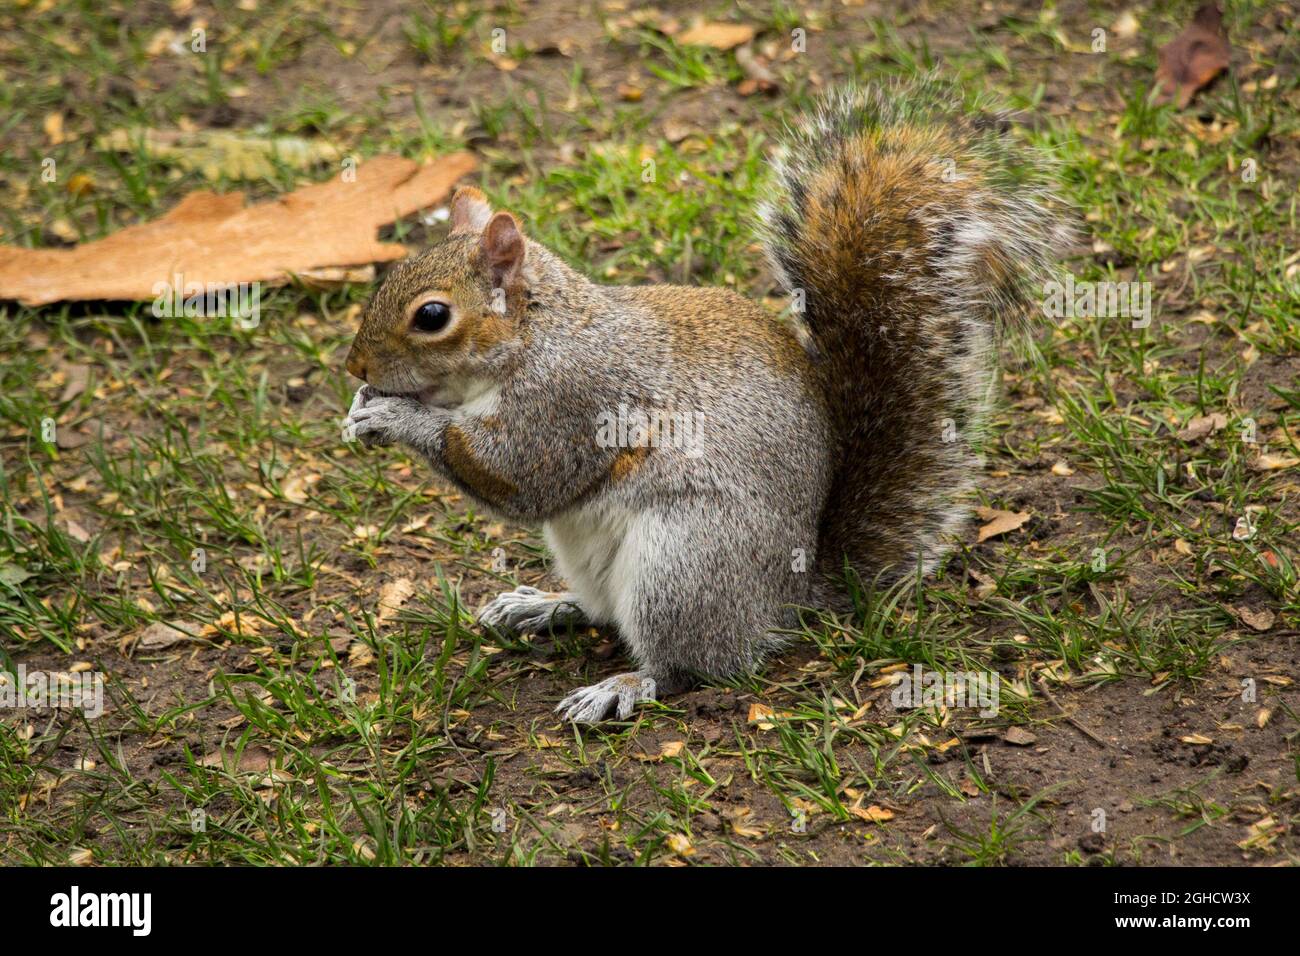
x: 503, y: 248
x: 470, y: 211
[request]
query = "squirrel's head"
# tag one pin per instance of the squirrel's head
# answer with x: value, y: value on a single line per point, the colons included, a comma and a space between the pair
x: 437, y: 316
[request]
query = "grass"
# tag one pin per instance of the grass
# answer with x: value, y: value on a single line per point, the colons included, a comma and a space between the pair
x: 196, y: 475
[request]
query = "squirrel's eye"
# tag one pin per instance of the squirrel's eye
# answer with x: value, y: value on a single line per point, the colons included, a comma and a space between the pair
x: 431, y: 317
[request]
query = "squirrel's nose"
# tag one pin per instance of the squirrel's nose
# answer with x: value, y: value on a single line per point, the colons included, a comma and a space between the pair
x: 357, y: 365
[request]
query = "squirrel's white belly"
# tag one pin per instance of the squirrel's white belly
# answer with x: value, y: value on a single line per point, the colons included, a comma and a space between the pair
x: 599, y: 550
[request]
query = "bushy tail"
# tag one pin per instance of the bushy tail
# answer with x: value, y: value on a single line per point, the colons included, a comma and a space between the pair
x: 910, y: 231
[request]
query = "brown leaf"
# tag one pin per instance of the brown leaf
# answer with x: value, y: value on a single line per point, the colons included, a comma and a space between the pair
x: 68, y: 438
x: 720, y: 36
x: 212, y: 239
x: 252, y: 759
x: 360, y: 654
x: 78, y: 379
x: 1203, y: 425
x: 872, y: 814
x: 1260, y: 620
x: 1019, y: 736
x: 1192, y: 59
x: 761, y: 715
x: 159, y: 636
x: 1268, y: 462
x: 392, y: 596
x: 999, y: 522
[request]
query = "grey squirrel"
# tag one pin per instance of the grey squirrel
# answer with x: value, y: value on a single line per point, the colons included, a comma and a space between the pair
x: 699, y: 467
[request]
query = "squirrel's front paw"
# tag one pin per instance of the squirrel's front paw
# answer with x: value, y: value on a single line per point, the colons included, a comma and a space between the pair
x: 376, y: 419
x: 621, y: 693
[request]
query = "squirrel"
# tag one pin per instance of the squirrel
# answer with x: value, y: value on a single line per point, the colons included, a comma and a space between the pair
x: 702, y: 469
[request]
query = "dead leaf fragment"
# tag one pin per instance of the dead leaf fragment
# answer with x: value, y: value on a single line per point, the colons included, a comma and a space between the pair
x: 160, y: 636
x: 252, y: 759
x: 872, y: 814
x: 1192, y: 59
x: 360, y: 654
x: 1019, y: 737
x: 999, y: 522
x: 681, y: 845
x: 78, y: 379
x: 1260, y: 620
x: 720, y: 36
x: 1126, y: 26
x: 53, y: 126
x: 392, y: 596
x: 1197, y: 740
x: 1268, y: 462
x: 760, y: 714
x: 1203, y: 425
x: 215, y: 240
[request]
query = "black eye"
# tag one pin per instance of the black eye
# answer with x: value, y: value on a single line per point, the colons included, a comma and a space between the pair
x: 432, y: 317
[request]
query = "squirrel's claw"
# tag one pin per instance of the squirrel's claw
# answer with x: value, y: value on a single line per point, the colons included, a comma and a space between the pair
x: 527, y: 610
x: 377, y: 420
x: 621, y: 693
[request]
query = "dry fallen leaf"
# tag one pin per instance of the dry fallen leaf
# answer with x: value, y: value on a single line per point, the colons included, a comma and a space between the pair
x: 251, y: 760
x: 1203, y: 425
x: 1274, y: 462
x: 872, y: 814
x: 1019, y: 736
x: 159, y: 636
x: 680, y: 844
x: 78, y: 379
x: 1192, y: 59
x: 999, y: 522
x: 1127, y: 26
x: 392, y: 596
x: 1261, y: 833
x: 759, y: 714
x: 1260, y: 620
x: 720, y: 36
x: 1197, y: 740
x: 987, y: 585
x: 212, y: 239
x: 360, y: 654
x: 54, y: 129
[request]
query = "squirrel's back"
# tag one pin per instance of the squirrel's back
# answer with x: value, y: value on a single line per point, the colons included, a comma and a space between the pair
x: 907, y: 231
